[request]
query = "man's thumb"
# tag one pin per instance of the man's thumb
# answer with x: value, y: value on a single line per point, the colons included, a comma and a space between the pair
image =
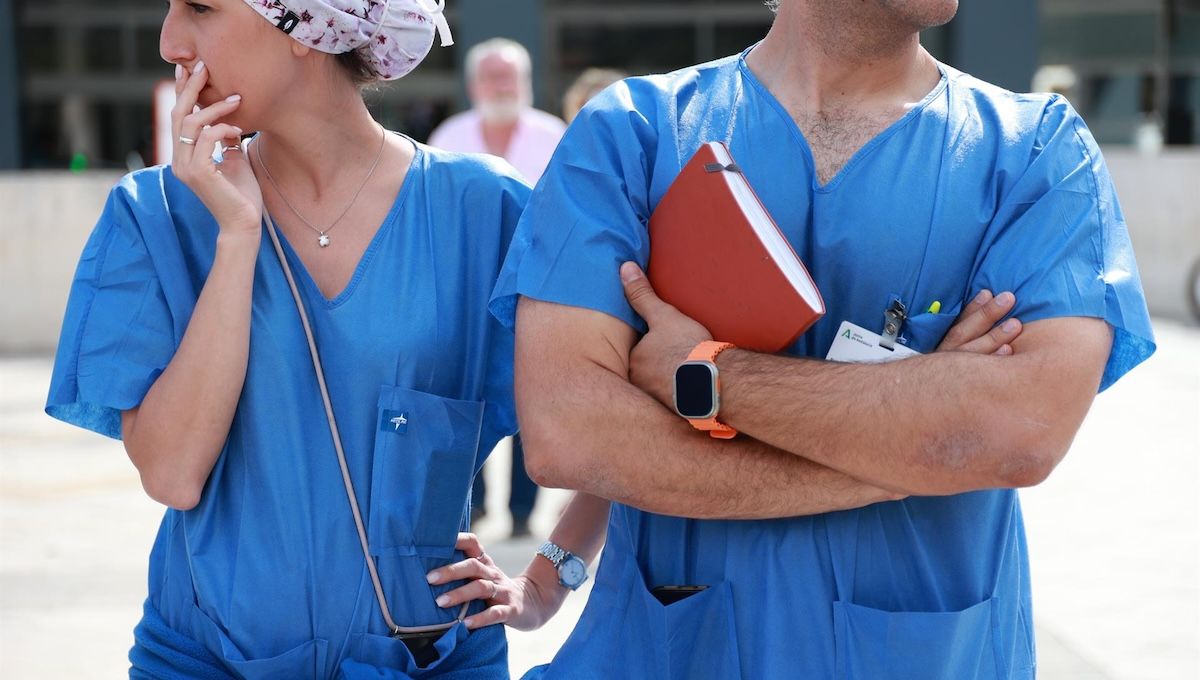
x: 638, y: 291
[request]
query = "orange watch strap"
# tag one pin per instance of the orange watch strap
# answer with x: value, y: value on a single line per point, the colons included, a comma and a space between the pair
x: 709, y: 350
x: 715, y: 429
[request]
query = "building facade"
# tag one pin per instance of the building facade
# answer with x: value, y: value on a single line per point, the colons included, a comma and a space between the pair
x: 77, y: 76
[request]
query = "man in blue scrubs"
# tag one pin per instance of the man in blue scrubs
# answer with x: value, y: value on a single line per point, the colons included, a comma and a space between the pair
x: 888, y: 539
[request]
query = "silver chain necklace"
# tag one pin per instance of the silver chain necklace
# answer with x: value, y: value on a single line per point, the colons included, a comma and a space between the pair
x: 323, y: 234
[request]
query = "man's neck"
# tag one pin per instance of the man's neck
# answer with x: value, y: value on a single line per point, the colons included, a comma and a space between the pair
x: 497, y: 136
x: 822, y: 57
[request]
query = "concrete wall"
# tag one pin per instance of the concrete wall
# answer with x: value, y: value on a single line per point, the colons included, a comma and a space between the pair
x: 46, y: 217
x: 1160, y: 196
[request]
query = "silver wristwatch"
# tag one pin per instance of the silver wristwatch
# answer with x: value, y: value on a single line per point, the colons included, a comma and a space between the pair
x: 572, y: 572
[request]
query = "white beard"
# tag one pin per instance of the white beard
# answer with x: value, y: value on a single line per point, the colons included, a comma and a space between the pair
x: 501, y: 112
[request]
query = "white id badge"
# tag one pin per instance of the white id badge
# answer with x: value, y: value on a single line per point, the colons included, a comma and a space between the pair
x: 856, y: 344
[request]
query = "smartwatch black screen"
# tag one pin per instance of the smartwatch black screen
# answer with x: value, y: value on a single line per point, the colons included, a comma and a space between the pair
x: 694, y: 394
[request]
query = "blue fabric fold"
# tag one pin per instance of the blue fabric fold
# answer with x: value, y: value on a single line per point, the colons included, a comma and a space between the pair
x: 162, y: 652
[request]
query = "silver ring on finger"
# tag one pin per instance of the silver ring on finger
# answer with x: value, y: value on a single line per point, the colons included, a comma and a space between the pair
x: 187, y: 140
x: 495, y: 589
x: 219, y: 156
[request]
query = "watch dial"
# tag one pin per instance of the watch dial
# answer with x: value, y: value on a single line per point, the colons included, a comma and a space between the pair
x: 574, y: 572
x: 694, y: 395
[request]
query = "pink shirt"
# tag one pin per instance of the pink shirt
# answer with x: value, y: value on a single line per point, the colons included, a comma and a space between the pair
x: 532, y: 144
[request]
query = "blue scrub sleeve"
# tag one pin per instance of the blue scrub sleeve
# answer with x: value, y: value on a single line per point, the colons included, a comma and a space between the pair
x: 1060, y: 243
x: 588, y: 214
x: 117, y: 334
x: 500, y: 413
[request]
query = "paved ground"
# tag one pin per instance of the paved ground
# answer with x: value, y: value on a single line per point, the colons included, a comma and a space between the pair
x: 1114, y: 534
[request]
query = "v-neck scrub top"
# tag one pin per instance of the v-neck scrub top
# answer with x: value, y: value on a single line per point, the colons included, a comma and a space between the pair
x: 974, y: 187
x: 267, y: 573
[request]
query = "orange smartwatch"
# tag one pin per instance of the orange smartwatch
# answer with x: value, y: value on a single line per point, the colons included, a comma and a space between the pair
x: 698, y: 389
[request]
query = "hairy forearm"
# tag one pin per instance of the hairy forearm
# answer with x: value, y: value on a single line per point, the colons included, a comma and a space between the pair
x: 601, y: 435
x: 935, y: 424
x: 175, y: 436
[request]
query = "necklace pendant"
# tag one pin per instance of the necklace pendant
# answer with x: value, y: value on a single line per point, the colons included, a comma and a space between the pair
x: 323, y: 241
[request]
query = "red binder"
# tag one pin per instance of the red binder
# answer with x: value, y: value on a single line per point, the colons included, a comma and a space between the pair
x: 716, y: 255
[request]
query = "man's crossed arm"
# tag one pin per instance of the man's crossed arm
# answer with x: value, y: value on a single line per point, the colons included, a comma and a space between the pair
x: 589, y: 420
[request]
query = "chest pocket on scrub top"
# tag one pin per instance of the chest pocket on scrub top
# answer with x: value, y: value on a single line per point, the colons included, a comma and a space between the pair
x: 924, y: 332
x: 425, y: 449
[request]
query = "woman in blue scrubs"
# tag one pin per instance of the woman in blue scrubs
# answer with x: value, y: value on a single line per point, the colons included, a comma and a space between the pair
x: 279, y: 556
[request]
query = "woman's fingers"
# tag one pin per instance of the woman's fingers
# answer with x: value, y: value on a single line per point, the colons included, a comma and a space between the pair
x: 212, y: 134
x: 193, y: 123
x: 181, y: 76
x: 469, y: 545
x: 470, y: 568
x: 482, y: 589
x: 233, y: 159
x: 219, y: 132
x: 499, y: 613
x: 198, y: 168
x: 188, y: 91
x: 188, y: 88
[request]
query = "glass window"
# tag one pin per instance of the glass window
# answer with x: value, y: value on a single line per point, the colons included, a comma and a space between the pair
x: 636, y: 49
x: 146, y: 49
x: 1114, y: 106
x: 1183, y: 116
x: 102, y: 49
x: 618, y: 3
x: 1072, y: 37
x: 108, y: 127
x: 733, y: 38
x: 43, y: 135
x: 39, y: 47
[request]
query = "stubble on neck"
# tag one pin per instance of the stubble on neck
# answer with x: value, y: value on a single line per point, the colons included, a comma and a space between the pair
x: 844, y: 70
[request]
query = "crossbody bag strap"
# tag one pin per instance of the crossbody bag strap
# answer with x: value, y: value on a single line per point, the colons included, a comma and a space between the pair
x: 341, y: 454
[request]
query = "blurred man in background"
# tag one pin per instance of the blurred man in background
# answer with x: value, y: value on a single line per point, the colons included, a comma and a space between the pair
x: 502, y: 120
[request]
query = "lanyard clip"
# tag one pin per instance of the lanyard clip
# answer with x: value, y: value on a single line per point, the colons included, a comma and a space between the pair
x: 893, y: 321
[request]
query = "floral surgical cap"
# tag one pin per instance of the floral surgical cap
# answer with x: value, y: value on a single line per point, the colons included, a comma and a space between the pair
x: 392, y: 35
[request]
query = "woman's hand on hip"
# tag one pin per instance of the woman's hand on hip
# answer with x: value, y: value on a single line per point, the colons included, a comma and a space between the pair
x: 520, y: 602
x: 229, y: 190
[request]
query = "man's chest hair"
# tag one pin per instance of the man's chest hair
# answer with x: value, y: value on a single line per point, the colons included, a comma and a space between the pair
x: 834, y: 136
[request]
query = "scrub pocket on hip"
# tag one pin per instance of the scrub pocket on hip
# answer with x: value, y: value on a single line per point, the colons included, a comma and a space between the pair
x: 306, y: 660
x: 695, y: 637
x: 871, y: 643
x: 383, y: 657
